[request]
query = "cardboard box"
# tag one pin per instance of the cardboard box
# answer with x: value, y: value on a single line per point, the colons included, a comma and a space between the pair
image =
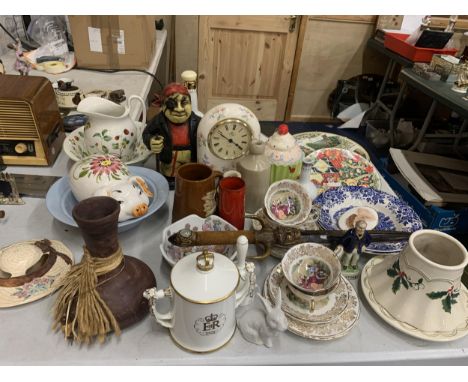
x: 113, y: 42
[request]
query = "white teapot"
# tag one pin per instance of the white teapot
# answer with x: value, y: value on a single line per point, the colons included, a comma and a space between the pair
x: 110, y: 129
x: 205, y: 290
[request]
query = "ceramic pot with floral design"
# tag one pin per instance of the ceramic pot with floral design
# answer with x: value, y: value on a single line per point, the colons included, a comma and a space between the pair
x: 110, y: 129
x: 284, y: 154
x: 107, y: 175
x: 422, y: 288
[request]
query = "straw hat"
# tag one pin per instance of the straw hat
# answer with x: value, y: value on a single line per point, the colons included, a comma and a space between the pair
x: 30, y: 270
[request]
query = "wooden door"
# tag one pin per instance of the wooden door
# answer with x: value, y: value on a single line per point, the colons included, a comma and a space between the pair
x: 246, y: 60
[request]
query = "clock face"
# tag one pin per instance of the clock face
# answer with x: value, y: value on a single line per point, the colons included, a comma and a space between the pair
x: 230, y: 139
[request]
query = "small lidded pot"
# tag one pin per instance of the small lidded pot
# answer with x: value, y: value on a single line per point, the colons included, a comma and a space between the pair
x: 284, y: 154
x: 206, y: 288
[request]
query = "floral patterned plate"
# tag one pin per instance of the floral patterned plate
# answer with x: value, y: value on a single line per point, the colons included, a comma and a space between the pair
x: 60, y: 200
x: 326, y: 309
x: 73, y: 145
x: 393, y: 213
x: 404, y: 327
x: 173, y: 253
x: 325, y: 331
x: 334, y: 167
x: 311, y: 141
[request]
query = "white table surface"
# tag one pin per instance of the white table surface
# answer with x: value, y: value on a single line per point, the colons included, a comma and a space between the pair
x: 26, y: 336
x: 132, y: 82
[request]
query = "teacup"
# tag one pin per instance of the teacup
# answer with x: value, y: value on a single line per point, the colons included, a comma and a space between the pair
x: 311, y: 269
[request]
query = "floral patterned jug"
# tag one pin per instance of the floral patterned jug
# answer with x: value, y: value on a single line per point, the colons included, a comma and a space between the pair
x: 110, y: 129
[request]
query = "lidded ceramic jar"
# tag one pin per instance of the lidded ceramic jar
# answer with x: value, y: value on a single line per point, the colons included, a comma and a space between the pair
x: 255, y: 170
x: 205, y: 289
x: 284, y: 154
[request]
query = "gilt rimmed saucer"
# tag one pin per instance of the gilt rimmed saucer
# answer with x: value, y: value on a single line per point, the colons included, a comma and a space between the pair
x: 382, y: 312
x: 326, y: 309
x: 325, y: 331
x: 74, y: 147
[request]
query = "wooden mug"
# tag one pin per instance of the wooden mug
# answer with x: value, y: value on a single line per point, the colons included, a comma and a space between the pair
x: 195, y: 191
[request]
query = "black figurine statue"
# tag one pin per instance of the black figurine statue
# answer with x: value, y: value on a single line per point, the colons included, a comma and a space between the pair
x: 172, y: 134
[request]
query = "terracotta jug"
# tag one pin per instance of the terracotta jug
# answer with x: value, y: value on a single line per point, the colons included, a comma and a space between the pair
x: 195, y: 191
x: 122, y: 288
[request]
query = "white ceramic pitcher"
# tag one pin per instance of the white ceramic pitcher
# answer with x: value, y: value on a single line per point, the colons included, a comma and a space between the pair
x: 110, y: 129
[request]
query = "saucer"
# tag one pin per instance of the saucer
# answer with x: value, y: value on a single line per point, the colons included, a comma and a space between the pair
x: 60, y: 200
x: 325, y: 331
x: 440, y: 336
x: 73, y: 145
x: 326, y: 309
x: 393, y: 213
x: 311, y: 141
x: 334, y: 167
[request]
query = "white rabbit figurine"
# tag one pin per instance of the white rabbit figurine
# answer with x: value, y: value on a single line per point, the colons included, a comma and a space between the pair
x: 260, y: 326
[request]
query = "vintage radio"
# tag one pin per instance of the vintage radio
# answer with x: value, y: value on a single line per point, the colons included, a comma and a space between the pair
x: 31, y: 129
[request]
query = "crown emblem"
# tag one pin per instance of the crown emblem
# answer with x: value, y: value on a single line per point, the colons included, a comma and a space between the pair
x: 211, y: 317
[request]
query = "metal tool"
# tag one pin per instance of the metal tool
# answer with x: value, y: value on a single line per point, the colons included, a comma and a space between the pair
x: 266, y: 237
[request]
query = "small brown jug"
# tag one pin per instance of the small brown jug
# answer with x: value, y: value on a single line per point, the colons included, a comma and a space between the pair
x: 195, y: 191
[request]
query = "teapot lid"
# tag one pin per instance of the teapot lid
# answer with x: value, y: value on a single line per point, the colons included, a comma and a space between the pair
x: 205, y: 277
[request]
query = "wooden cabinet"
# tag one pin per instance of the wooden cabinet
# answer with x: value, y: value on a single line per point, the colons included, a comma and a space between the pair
x: 247, y: 60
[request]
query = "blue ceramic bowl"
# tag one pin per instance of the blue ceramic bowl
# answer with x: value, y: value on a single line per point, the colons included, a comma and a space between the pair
x: 60, y: 200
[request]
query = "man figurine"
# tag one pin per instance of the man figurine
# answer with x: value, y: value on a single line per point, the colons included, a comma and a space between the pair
x: 353, y: 243
x: 172, y: 134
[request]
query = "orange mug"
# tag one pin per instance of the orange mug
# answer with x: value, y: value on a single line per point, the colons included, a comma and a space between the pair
x: 231, y: 205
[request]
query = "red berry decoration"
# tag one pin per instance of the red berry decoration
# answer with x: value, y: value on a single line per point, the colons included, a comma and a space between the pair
x: 283, y: 129
x: 126, y: 132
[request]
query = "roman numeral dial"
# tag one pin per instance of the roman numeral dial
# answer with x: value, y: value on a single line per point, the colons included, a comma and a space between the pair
x: 229, y: 139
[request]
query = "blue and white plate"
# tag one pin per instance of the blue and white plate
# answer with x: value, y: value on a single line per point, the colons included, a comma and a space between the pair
x: 393, y: 213
x: 60, y: 200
